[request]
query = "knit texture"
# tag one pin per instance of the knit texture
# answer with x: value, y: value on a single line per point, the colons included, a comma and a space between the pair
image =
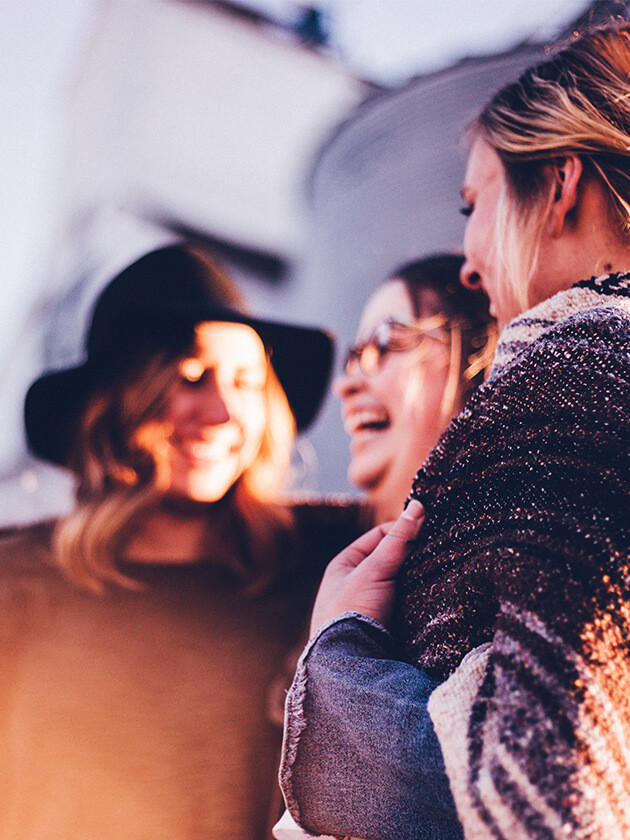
x: 526, y: 546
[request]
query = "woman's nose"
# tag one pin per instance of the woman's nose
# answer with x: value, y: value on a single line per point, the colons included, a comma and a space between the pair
x: 212, y: 405
x: 469, y: 278
x: 348, y: 382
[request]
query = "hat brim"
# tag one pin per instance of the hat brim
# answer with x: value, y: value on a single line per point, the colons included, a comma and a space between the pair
x: 301, y: 357
x: 52, y: 407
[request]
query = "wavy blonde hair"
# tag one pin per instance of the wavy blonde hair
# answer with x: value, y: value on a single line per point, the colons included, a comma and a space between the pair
x: 576, y: 102
x: 118, y: 481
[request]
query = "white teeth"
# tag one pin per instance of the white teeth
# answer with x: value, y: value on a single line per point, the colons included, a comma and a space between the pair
x: 210, y: 451
x: 356, y: 421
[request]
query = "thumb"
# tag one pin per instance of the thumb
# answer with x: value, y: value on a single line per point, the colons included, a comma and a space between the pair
x: 394, y: 547
x: 408, y: 524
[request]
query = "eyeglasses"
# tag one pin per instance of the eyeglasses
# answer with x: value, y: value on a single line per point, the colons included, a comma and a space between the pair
x: 391, y: 336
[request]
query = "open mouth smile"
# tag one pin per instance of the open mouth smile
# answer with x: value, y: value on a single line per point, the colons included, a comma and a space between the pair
x: 366, y: 421
x: 211, y: 452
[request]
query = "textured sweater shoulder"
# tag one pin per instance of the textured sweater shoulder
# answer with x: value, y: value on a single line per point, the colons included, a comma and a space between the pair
x: 526, y: 549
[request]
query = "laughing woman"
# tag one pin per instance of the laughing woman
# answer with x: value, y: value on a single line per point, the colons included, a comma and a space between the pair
x: 141, y: 635
x: 423, y: 345
x: 500, y: 705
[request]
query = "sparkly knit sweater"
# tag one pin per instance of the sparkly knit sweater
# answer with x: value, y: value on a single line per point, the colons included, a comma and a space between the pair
x: 523, y: 572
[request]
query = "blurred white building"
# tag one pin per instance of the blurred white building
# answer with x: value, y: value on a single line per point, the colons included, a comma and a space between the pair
x: 186, y: 118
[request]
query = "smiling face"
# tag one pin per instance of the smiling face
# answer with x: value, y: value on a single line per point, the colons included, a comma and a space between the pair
x: 484, y: 185
x: 215, y: 414
x: 394, y: 416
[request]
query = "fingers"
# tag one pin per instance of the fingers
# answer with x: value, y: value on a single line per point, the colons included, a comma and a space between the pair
x: 358, y: 550
x: 408, y: 524
x: 393, y: 548
x: 401, y: 531
x: 361, y: 577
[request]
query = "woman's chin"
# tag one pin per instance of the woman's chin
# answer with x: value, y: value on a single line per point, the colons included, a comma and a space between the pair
x: 366, y: 473
x: 203, y: 487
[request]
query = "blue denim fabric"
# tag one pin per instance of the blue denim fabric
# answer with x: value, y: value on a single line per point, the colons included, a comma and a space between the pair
x: 360, y: 755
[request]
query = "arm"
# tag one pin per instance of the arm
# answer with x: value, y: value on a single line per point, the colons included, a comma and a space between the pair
x: 360, y: 756
x: 535, y: 733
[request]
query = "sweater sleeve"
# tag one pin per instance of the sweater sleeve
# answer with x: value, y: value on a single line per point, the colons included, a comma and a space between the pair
x: 527, y: 549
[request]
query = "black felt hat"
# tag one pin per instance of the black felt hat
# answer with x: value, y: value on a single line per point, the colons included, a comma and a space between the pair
x: 152, y: 305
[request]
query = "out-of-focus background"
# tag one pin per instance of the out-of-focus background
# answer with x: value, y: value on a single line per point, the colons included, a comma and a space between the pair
x: 313, y: 147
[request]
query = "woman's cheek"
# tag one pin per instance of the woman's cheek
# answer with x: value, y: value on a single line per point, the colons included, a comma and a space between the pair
x: 254, y: 414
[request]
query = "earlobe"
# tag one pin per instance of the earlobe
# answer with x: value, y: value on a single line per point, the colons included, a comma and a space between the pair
x: 566, y: 174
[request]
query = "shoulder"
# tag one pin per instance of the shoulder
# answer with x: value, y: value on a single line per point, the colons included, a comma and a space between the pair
x: 589, y: 348
x: 571, y: 382
x: 26, y: 572
x: 25, y: 551
x: 601, y: 328
x: 592, y: 343
x: 575, y: 327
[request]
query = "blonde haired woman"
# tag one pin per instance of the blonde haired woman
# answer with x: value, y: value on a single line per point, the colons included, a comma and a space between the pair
x: 499, y: 707
x: 141, y: 636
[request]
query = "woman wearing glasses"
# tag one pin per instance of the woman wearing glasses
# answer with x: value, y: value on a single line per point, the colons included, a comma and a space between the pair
x: 423, y: 345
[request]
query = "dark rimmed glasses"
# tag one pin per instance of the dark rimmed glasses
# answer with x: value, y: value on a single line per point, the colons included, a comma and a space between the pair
x: 391, y: 336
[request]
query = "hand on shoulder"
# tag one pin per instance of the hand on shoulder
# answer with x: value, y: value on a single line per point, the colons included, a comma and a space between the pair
x: 362, y: 577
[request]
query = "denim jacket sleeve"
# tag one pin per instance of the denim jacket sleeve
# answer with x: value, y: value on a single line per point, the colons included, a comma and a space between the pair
x: 360, y: 755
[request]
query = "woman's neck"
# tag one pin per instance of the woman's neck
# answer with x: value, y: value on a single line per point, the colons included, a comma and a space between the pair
x: 175, y: 533
x: 588, y: 247
x: 388, y: 499
x: 612, y: 262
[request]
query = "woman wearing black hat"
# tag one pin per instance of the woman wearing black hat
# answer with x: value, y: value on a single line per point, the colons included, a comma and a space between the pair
x: 141, y: 635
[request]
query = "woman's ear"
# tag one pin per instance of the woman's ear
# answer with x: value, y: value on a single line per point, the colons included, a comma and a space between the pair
x: 566, y: 173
